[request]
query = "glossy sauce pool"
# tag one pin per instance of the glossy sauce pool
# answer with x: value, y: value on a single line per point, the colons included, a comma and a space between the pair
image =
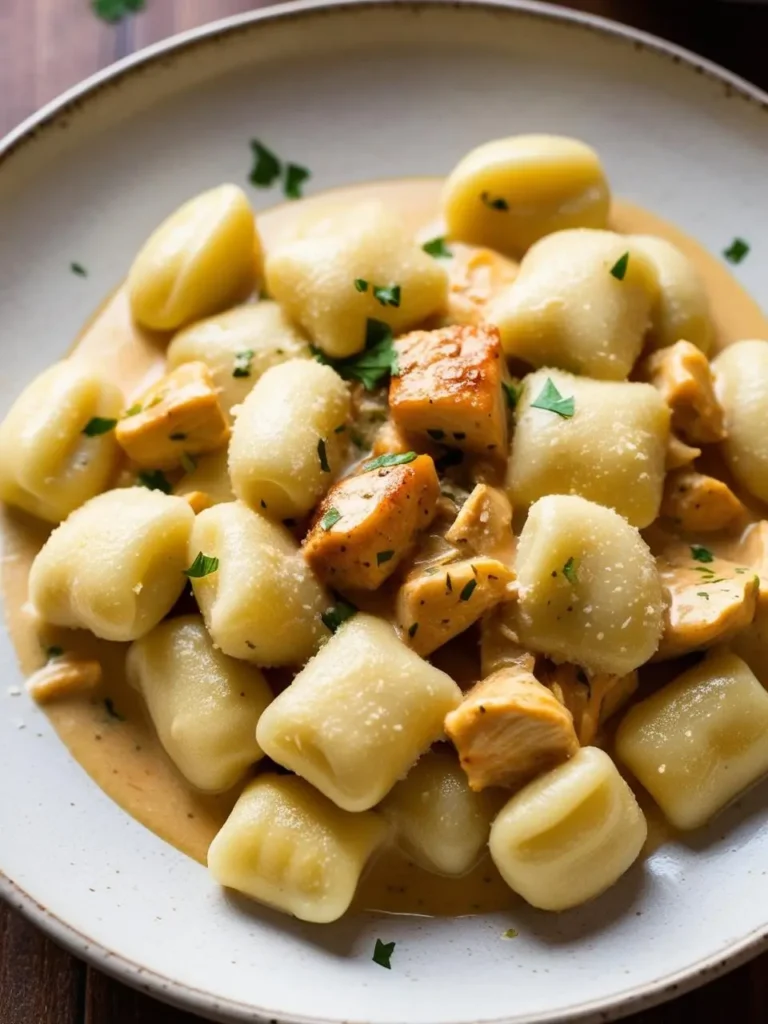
x: 109, y: 733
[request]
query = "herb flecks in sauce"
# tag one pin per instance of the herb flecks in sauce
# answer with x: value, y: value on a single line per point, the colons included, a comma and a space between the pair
x: 737, y: 251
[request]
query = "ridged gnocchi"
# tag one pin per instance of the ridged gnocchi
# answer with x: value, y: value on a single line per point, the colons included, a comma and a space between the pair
x: 116, y: 565
x: 509, y: 193
x: 200, y: 260
x: 287, y: 846
x: 570, y: 834
x: 49, y: 462
x: 289, y: 438
x: 203, y: 704
x: 356, y: 718
x: 262, y: 603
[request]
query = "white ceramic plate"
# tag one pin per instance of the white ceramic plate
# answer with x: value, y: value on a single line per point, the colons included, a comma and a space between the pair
x: 356, y: 92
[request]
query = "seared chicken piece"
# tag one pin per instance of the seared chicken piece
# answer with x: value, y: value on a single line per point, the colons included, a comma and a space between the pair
x: 475, y: 278
x: 63, y: 677
x: 683, y: 376
x: 591, y: 699
x: 198, y: 501
x: 509, y: 729
x: 179, y: 415
x: 449, y: 387
x: 368, y: 522
x: 699, y: 503
x: 437, y: 603
x: 392, y: 438
x: 679, y: 454
x: 499, y: 644
x: 483, y: 525
x: 707, y: 601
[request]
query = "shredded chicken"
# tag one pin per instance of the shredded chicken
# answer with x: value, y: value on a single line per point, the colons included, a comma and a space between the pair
x: 499, y: 644
x: 591, y: 699
x: 683, y: 376
x: 700, y: 503
x: 475, y: 277
x: 510, y: 728
x: 679, y: 454
x: 483, y: 525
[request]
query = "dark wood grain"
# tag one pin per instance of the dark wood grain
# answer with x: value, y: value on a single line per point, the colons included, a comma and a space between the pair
x: 47, y: 46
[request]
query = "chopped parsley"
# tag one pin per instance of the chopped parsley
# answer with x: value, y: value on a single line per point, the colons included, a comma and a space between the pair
x: 295, y: 176
x: 53, y: 652
x: 337, y: 615
x: 331, y: 517
x: 99, y: 425
x: 387, y: 295
x: 268, y: 169
x: 382, y: 954
x: 384, y: 556
x: 701, y: 554
x: 551, y: 400
x: 243, y: 360
x: 467, y: 590
x: 492, y: 203
x: 389, y: 459
x: 569, y: 570
x: 413, y: 629
x: 436, y: 247
x: 510, y: 933
x: 510, y: 393
x: 361, y: 285
x: 134, y: 409
x: 79, y: 269
x: 702, y: 593
x: 619, y: 268
x: 115, y: 10
x: 736, y: 251
x: 374, y: 364
x: 154, y: 480
x: 188, y: 463
x: 436, y: 435
x: 203, y: 565
x: 322, y: 454
x: 112, y: 711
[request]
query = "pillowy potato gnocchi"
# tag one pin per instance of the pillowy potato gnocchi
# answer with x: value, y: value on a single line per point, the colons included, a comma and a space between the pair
x: 262, y: 603
x: 287, y: 846
x: 741, y: 385
x: 439, y: 822
x: 681, y: 310
x: 569, y: 835
x: 204, y: 705
x: 509, y: 193
x: 289, y: 441
x: 607, y: 443
x: 200, y: 260
x: 698, y: 742
x: 116, y: 565
x: 357, y: 264
x: 581, y: 301
x: 359, y: 714
x: 589, y: 587
x: 210, y: 477
x: 54, y: 454
x: 238, y: 347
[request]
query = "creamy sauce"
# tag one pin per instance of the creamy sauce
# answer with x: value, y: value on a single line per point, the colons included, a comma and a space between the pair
x: 109, y: 733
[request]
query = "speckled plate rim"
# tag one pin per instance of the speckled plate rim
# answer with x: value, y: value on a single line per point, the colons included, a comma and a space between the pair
x: 49, y: 116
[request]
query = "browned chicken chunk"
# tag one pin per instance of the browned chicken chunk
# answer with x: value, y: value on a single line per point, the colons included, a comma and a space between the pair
x: 449, y: 387
x: 680, y: 454
x: 591, y: 699
x: 509, y: 729
x: 368, y: 522
x: 683, y: 376
x: 483, y: 525
x: 700, y: 503
x: 436, y: 604
x: 475, y: 277
x: 178, y: 416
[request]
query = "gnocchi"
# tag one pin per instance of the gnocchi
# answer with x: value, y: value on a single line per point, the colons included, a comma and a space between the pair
x: 741, y: 385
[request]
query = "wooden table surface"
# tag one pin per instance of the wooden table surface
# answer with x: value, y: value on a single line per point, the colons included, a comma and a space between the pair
x: 47, y: 46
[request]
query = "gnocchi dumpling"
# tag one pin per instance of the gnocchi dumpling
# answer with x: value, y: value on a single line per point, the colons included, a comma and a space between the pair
x: 50, y: 460
x: 357, y: 264
x: 699, y: 741
x: 358, y: 716
x: 438, y: 821
x: 116, y: 565
x: 204, y: 705
x: 741, y: 385
x: 610, y: 449
x: 589, y: 589
x: 210, y: 477
x: 508, y: 193
x: 581, y: 301
x: 681, y: 310
x: 569, y: 835
x: 200, y: 260
x: 238, y: 347
x: 289, y: 438
x: 287, y: 846
x: 262, y: 604
x: 475, y: 278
